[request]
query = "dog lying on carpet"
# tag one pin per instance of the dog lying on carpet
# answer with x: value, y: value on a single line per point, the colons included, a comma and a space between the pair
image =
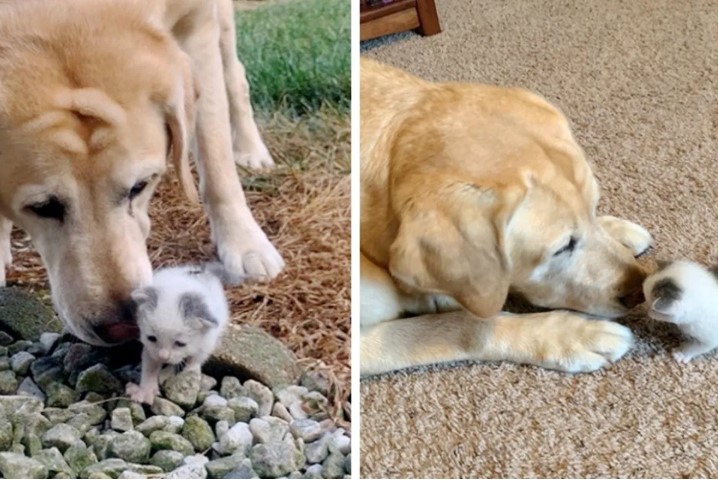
x: 95, y: 97
x: 469, y: 192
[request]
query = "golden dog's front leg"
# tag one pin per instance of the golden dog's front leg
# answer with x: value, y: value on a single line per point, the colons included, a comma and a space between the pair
x: 241, y: 244
x: 5, y: 253
x: 633, y: 236
x: 558, y: 340
x: 249, y: 148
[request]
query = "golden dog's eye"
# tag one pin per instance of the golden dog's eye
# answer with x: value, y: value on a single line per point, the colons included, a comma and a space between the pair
x: 567, y: 248
x: 50, y: 209
x: 137, y: 189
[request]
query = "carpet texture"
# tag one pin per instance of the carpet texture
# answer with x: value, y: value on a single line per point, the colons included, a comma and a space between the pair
x: 639, y: 83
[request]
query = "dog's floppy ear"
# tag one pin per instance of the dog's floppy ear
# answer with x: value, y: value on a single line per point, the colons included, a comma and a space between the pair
x: 457, y: 251
x: 179, y: 111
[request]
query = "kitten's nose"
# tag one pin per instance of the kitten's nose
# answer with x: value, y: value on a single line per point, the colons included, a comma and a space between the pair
x: 164, y: 355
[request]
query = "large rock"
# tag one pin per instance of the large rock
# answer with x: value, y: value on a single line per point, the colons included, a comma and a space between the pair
x: 198, y: 432
x: 274, y: 459
x: 62, y: 436
x: 131, y: 446
x: 182, y: 388
x: 24, y: 316
x: 16, y: 466
x: 252, y: 353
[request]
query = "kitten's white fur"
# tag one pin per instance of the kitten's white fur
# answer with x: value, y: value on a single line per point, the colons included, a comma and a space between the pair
x: 161, y: 314
x: 695, y: 311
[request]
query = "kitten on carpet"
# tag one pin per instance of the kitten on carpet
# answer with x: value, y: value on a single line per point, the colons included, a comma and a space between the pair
x: 181, y: 316
x: 686, y: 294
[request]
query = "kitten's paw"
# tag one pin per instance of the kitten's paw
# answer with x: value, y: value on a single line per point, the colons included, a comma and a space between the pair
x: 681, y: 357
x: 141, y: 394
x: 633, y: 236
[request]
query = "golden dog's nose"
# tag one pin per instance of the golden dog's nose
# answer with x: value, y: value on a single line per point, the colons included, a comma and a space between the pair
x: 632, y: 292
x: 120, y: 325
x: 632, y: 299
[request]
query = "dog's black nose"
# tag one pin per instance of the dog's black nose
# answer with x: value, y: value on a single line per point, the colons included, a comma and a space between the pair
x: 120, y: 325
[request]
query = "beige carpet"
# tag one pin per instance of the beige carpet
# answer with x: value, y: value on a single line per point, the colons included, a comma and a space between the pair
x: 639, y: 82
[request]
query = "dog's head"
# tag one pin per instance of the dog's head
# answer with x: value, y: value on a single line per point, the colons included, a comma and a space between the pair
x: 90, y: 111
x: 493, y: 197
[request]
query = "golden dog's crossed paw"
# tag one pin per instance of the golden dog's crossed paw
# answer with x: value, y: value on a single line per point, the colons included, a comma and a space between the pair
x: 253, y: 257
x: 633, y: 236
x: 256, y: 159
x: 580, y: 345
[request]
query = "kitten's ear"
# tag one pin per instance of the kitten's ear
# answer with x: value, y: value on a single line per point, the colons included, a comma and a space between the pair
x: 145, y: 297
x: 193, y: 307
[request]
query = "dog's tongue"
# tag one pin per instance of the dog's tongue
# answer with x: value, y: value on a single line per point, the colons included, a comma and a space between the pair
x: 123, y: 331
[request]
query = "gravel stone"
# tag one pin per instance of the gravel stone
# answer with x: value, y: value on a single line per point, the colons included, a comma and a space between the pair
x: 348, y: 464
x: 46, y: 370
x: 245, y: 408
x: 307, y: 430
x: 17, y: 466
x: 62, y: 436
x: 243, y: 471
x: 155, y: 422
x: 6, y: 435
x: 101, y: 444
x: 268, y: 429
x: 79, y: 457
x: 98, y: 379
x: 333, y: 467
x: 5, y: 339
x: 340, y: 444
x: 291, y: 394
x: 121, y: 420
x: 273, y: 460
x: 53, y: 460
x: 128, y: 474
x: 95, y: 413
x: 131, y: 446
x: 236, y: 439
x: 316, y: 381
x: 49, y: 340
x: 162, y: 406
x: 262, y: 395
x: 8, y: 382
x: 174, y: 424
x: 218, y: 468
x: 314, y: 472
x: 30, y: 388
x: 183, y: 388
x: 20, y: 362
x: 57, y: 415
x: 59, y: 395
x: 18, y: 346
x: 110, y: 467
x: 198, y: 432
x: 280, y: 411
x: 317, y: 451
x: 168, y: 460
x: 193, y: 471
x: 4, y: 363
x: 162, y: 440
x: 232, y: 388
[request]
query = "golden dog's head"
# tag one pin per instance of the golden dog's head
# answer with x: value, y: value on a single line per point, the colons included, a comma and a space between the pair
x: 492, y: 194
x: 93, y: 100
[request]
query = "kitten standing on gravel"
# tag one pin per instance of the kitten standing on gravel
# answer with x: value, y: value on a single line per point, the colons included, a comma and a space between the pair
x: 686, y: 294
x: 181, y: 316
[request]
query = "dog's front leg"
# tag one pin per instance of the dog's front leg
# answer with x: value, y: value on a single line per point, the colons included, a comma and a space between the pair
x: 558, y: 340
x: 249, y: 148
x: 633, y: 236
x: 5, y: 253
x: 241, y: 244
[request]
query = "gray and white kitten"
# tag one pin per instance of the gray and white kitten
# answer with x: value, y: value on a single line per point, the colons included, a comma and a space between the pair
x: 181, y: 316
x: 686, y: 294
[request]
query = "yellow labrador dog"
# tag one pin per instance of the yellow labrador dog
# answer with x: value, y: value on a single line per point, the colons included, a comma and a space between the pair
x: 95, y: 96
x: 469, y: 192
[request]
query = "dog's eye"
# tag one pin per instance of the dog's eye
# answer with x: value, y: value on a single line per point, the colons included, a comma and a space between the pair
x: 569, y: 247
x: 137, y: 189
x: 50, y: 209
x: 152, y: 338
x: 180, y: 344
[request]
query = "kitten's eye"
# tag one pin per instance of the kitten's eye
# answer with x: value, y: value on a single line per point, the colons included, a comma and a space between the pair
x: 569, y: 247
x: 137, y: 189
x: 152, y: 338
x: 52, y: 208
x: 180, y: 344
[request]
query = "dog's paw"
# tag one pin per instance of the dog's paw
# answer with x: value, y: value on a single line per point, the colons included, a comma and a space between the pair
x: 250, y: 255
x: 141, y: 394
x: 574, y: 344
x: 256, y: 158
x: 681, y: 357
x: 633, y: 236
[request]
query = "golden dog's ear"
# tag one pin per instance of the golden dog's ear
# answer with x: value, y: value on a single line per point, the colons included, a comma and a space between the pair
x: 179, y: 111
x: 456, y: 250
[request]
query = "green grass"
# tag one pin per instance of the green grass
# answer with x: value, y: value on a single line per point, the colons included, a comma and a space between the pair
x: 297, y: 55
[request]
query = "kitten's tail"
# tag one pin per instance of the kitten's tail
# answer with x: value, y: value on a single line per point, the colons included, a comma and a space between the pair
x: 217, y: 269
